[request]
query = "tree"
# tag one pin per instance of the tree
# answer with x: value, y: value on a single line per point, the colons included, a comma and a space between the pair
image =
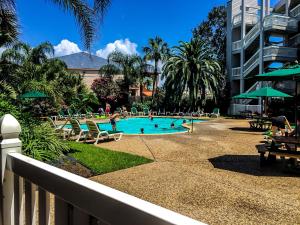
x: 157, y: 51
x: 23, y: 69
x: 8, y: 27
x: 87, y: 15
x: 106, y: 89
x: 213, y: 33
x: 142, y: 71
x: 126, y: 63
x: 191, y: 69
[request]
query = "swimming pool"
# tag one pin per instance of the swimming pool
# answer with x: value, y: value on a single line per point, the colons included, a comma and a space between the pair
x: 133, y: 125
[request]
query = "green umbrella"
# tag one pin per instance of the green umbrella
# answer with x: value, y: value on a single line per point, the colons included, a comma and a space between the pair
x: 34, y: 94
x: 290, y: 73
x: 243, y: 96
x: 268, y: 92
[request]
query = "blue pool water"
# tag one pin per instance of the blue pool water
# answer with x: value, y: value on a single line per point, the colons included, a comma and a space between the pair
x: 134, y: 125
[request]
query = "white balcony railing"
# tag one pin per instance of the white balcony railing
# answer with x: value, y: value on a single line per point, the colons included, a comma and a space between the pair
x: 280, y: 51
x: 236, y: 109
x: 26, y: 185
x: 250, y: 18
x: 236, y: 45
x: 295, y: 12
x: 236, y: 72
x: 280, y: 22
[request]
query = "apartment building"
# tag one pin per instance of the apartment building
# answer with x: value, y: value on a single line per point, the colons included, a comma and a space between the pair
x: 259, y: 39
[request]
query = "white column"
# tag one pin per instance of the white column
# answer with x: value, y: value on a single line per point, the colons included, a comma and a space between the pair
x: 10, y: 130
x: 287, y: 6
x: 243, y: 33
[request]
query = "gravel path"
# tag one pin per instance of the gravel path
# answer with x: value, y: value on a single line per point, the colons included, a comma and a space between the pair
x: 212, y: 175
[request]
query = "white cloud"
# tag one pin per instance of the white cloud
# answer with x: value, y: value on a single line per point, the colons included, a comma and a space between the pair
x: 66, y: 47
x: 125, y: 46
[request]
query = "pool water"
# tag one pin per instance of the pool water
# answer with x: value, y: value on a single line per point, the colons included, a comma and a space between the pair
x: 134, y: 125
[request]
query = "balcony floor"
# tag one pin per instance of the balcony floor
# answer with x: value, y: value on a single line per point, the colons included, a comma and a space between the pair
x: 212, y: 175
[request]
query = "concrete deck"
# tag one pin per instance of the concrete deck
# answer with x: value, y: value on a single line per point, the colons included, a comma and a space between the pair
x: 212, y: 175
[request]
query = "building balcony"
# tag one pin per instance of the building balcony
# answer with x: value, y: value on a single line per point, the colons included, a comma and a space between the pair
x: 236, y: 46
x: 250, y: 19
x: 236, y: 73
x: 280, y: 53
x: 280, y: 23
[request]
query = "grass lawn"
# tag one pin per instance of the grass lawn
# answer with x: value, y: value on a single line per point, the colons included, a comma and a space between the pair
x: 100, y: 160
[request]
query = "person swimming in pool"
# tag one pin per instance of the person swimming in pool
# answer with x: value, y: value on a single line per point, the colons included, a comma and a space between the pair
x: 112, y: 119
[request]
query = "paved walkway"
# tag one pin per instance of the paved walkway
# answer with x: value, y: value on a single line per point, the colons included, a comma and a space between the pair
x: 212, y: 175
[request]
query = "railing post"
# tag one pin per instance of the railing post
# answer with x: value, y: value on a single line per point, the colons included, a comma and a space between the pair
x: 10, y: 130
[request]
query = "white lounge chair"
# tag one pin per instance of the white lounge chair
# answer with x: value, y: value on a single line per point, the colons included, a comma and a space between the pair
x: 97, y: 134
x: 60, y: 129
x: 77, y: 130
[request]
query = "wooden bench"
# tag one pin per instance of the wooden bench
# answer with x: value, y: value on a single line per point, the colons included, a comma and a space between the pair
x: 260, y: 124
x: 274, y: 151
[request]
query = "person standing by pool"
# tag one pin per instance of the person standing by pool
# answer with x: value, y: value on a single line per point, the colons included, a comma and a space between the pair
x: 113, y: 121
x: 107, y: 109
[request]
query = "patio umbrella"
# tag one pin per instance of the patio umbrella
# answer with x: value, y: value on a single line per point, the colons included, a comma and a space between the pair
x: 268, y: 92
x: 244, y: 96
x: 291, y: 73
x: 34, y: 94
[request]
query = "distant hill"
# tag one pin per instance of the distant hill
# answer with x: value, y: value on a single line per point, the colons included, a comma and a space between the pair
x: 83, y: 60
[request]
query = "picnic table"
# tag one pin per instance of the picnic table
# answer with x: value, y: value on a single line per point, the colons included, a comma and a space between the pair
x: 260, y: 123
x: 278, y: 147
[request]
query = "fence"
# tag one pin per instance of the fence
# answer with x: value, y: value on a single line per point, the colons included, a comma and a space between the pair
x: 27, y: 184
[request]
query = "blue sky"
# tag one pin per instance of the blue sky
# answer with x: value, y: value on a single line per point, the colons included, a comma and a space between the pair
x: 135, y: 20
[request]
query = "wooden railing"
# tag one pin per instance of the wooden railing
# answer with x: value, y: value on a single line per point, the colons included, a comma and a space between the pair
x: 26, y: 185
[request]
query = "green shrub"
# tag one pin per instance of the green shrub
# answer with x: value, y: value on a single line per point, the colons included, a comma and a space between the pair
x: 42, y: 143
x: 7, y: 107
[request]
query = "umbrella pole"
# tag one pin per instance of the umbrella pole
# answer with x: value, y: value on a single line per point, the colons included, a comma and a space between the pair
x: 296, y: 107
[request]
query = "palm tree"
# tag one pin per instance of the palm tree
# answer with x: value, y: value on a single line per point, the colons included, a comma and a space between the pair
x: 142, y: 71
x: 156, y: 51
x: 192, y: 69
x: 126, y: 64
x: 87, y: 15
x: 23, y: 68
x: 8, y: 27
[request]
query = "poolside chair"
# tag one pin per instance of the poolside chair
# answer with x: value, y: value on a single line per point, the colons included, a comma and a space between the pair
x: 215, y: 113
x: 59, y: 129
x: 154, y: 113
x: 161, y: 113
x: 77, y: 130
x: 61, y: 115
x: 146, y: 111
x: 133, y: 111
x: 74, y: 115
x: 97, y: 134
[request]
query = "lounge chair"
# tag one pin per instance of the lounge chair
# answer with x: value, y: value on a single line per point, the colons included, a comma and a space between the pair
x: 74, y: 115
x: 61, y: 115
x: 133, y: 111
x: 161, y: 113
x: 97, y: 134
x: 146, y: 111
x: 77, y: 130
x: 59, y: 129
x: 215, y: 113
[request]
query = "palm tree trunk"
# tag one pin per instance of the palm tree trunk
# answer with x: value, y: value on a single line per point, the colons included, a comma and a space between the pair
x: 155, y: 78
x: 141, y: 91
